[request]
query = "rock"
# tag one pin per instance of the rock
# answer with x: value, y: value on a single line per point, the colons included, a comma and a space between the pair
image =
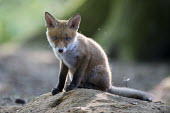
x: 20, y: 101
x: 87, y: 100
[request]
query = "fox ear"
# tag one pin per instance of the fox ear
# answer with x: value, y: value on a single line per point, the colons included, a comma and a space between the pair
x: 50, y: 21
x: 74, y: 22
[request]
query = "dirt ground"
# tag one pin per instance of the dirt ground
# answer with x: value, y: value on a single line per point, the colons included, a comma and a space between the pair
x: 86, y: 101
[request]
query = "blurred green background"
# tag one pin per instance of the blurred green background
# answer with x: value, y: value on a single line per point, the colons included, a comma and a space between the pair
x: 135, y: 30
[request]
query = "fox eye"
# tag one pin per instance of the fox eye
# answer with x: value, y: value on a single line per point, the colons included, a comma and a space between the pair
x: 67, y: 38
x: 54, y: 38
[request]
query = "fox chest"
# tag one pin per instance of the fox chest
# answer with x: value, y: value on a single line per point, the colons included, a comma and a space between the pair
x: 69, y: 58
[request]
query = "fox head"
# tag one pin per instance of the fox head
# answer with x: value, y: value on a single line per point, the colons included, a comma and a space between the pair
x: 62, y: 34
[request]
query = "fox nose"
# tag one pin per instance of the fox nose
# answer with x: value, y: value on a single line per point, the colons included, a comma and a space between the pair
x: 60, y: 50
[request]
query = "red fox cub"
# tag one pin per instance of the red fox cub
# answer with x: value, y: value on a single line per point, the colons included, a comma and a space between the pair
x: 83, y: 58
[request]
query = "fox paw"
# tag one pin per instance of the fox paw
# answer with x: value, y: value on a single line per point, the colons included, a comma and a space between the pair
x: 70, y: 87
x: 54, y: 91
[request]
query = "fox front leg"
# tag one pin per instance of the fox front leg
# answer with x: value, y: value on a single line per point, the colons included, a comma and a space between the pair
x: 78, y: 75
x: 62, y: 79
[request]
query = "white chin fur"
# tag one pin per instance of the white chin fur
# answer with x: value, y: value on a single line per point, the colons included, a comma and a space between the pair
x: 73, y: 44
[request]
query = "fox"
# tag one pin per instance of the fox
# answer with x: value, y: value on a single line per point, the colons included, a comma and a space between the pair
x: 83, y: 59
